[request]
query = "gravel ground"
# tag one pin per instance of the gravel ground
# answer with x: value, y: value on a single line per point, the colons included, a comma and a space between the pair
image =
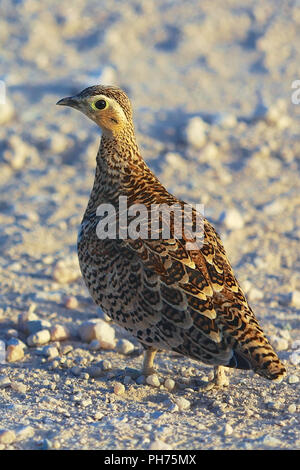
x: 211, y: 89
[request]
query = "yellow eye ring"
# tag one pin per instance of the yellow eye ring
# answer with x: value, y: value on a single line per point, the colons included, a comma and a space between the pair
x: 99, y: 105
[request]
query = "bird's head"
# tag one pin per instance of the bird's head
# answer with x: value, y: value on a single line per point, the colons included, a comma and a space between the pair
x: 107, y: 106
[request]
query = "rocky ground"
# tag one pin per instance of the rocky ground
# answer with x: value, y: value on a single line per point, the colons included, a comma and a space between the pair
x: 211, y: 89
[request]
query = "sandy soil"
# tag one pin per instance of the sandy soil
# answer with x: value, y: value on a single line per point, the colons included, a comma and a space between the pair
x: 229, y: 66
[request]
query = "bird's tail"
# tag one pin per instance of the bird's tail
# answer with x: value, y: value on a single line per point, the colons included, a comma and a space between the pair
x: 255, y: 352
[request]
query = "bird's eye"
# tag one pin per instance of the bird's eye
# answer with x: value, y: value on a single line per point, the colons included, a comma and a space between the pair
x: 99, y: 104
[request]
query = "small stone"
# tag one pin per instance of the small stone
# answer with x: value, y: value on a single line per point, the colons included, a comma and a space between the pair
x: 76, y: 371
x: 293, y: 379
x: 124, y: 346
x: 98, y: 415
x: 25, y: 317
x: 225, y: 120
x: 100, y: 330
x: 227, y: 430
x: 195, y: 132
x: 86, y: 402
x: 127, y: 380
x: 255, y: 294
x: 24, y: 432
x: 280, y: 344
x: 66, y: 349
x: 7, y: 436
x: 66, y: 270
x: 274, y: 207
x: 106, y: 365
x: 232, y: 219
x: 39, y: 338
x: 7, y: 112
x: 50, y: 351
x: 158, y: 444
x: 295, y: 357
x: 295, y: 299
x: 292, y: 408
x: 296, y: 344
x: 271, y: 441
x: 12, y: 333
x: 59, y: 332
x: 153, y: 380
x: 169, y: 384
x: 4, y: 381
x: 182, y: 403
x: 95, y: 371
x: 18, y: 387
x: 14, y: 353
x: 119, y: 389
x: 95, y: 345
x: 71, y: 302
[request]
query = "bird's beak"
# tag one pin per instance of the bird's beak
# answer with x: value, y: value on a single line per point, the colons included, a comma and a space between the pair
x: 71, y: 101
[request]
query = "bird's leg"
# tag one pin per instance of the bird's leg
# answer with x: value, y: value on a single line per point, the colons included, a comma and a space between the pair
x: 148, y: 368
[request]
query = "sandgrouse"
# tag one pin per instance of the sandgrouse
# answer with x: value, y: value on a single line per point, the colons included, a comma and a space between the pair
x: 167, y: 294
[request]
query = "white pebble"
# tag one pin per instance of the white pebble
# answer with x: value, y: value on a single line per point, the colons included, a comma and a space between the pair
x: 271, y: 441
x: 280, y: 344
x: 255, y: 294
x: 182, y: 403
x: 14, y: 353
x: 7, y: 112
x: 39, y: 338
x: 18, y: 387
x: 195, y: 132
x: 295, y: 299
x: 26, y: 317
x: 24, y: 432
x: 119, y: 389
x: 153, y: 380
x: 7, y: 436
x: 169, y: 384
x: 158, y: 444
x: 296, y: 344
x: 232, y: 219
x: 71, y: 302
x: 124, y: 346
x: 227, y: 430
x: 293, y: 379
x: 100, y: 330
x: 295, y: 358
x: 292, y: 408
x: 225, y: 120
x: 4, y: 381
x: 50, y: 352
x: 66, y: 270
x: 59, y: 333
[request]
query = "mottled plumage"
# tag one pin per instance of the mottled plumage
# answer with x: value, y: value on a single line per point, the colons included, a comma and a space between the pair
x: 168, y: 297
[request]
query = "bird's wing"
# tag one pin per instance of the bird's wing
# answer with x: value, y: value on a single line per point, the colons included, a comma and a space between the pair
x: 197, y: 286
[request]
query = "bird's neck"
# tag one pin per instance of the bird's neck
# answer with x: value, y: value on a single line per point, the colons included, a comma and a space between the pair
x: 119, y: 165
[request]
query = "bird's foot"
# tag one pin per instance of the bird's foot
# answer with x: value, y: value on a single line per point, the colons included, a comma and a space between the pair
x: 220, y: 379
x: 148, y: 371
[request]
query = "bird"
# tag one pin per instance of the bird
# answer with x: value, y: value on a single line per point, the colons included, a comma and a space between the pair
x: 168, y: 293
